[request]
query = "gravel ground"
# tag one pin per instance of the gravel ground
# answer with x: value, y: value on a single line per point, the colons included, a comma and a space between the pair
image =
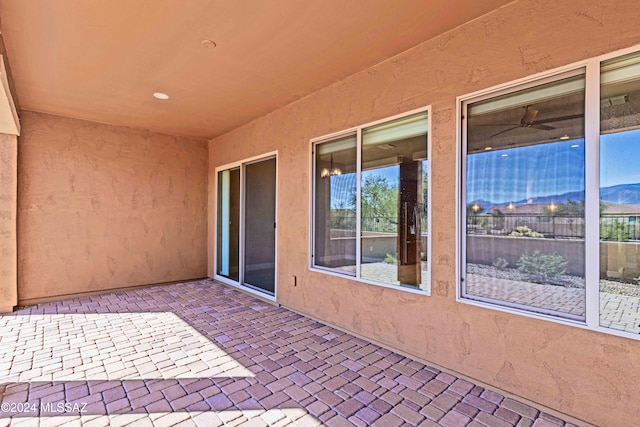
x: 566, y: 281
x: 608, y: 286
x: 619, y: 288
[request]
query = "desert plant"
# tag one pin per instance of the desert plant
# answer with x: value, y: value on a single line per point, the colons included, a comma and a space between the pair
x: 542, y: 267
x: 497, y: 219
x: 524, y: 231
x: 500, y: 263
x: 390, y: 259
x: 615, y: 230
x: 473, y: 210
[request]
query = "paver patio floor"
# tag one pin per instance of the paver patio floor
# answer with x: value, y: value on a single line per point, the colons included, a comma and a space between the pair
x: 201, y: 353
x: 619, y: 312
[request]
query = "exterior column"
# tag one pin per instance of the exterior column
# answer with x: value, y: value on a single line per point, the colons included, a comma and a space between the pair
x: 410, y: 199
x: 8, y: 223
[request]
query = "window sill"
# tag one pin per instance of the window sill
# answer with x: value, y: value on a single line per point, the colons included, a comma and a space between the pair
x: 545, y: 317
x: 426, y: 291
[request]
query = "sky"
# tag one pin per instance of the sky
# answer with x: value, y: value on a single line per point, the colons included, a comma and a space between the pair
x: 522, y: 173
x: 620, y: 158
x: 515, y: 174
x: 343, y: 186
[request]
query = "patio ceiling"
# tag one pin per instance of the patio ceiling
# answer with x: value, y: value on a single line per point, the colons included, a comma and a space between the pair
x: 103, y: 60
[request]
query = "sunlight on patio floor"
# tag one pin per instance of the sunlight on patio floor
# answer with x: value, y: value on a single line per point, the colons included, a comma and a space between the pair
x: 107, y: 347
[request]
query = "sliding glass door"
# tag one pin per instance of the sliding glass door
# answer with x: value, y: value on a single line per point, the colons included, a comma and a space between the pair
x: 260, y: 225
x: 246, y: 225
x: 228, y: 262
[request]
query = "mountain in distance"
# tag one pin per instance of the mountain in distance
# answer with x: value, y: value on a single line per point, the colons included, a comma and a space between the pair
x: 628, y: 194
x: 547, y: 200
x: 542, y: 200
x: 619, y: 194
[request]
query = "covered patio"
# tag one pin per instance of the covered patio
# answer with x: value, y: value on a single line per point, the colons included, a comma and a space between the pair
x: 201, y: 353
x: 274, y: 212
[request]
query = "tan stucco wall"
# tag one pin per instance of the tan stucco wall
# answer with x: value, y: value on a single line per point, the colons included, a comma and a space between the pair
x: 589, y: 375
x: 104, y: 207
x: 8, y: 214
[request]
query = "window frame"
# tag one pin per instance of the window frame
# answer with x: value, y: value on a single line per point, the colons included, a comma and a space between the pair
x: 565, y: 74
x: 592, y: 69
x: 357, y: 131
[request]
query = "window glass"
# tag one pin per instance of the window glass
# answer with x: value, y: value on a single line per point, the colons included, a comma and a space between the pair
x: 259, y: 222
x: 393, y: 189
x: 228, y: 240
x: 620, y: 194
x: 392, y: 238
x: 335, y: 205
x: 525, y: 197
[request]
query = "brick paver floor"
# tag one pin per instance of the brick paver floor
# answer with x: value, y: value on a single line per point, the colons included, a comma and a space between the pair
x: 203, y: 354
x: 616, y: 311
x: 550, y: 297
x: 620, y: 312
x: 383, y: 272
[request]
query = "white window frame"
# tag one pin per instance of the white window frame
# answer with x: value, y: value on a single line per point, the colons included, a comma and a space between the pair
x: 357, y: 131
x: 591, y: 69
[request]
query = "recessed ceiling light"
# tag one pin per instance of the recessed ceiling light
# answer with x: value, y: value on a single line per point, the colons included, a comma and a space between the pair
x: 488, y: 148
x: 160, y: 95
x: 504, y: 155
x: 575, y: 146
x: 564, y: 137
x: 209, y: 44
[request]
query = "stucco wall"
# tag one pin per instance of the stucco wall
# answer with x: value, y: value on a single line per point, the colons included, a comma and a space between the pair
x: 592, y: 376
x: 620, y: 259
x: 104, y: 207
x: 8, y: 213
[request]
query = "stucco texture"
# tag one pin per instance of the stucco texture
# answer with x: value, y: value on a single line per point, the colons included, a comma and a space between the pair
x: 8, y: 215
x: 104, y: 207
x: 592, y: 376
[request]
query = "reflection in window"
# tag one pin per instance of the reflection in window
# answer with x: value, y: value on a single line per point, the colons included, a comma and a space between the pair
x: 620, y: 194
x: 394, y: 183
x: 335, y: 204
x: 228, y: 239
x: 392, y: 201
x: 525, y: 199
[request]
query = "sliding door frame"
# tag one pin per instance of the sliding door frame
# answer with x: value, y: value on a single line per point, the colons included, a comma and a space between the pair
x: 240, y: 284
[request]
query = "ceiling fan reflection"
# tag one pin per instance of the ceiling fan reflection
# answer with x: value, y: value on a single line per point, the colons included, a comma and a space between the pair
x: 528, y: 120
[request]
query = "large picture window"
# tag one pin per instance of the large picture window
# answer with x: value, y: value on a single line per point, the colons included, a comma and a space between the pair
x: 525, y: 194
x: 620, y: 194
x: 550, y: 196
x: 371, y: 202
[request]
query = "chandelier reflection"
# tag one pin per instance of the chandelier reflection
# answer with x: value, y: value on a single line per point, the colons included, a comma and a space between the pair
x: 331, y: 171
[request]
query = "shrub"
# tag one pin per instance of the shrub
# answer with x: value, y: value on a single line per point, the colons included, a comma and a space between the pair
x: 542, y: 267
x: 616, y: 231
x: 500, y: 263
x: 390, y: 259
x: 524, y: 231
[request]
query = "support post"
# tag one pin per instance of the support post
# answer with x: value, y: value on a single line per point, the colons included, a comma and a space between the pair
x: 8, y: 222
x: 409, y: 206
